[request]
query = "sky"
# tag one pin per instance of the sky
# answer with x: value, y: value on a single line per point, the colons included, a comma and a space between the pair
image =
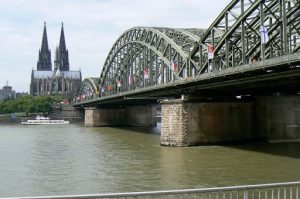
x: 91, y: 27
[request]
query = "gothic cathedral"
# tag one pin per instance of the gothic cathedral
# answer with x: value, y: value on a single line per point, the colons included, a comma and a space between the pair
x: 45, y: 81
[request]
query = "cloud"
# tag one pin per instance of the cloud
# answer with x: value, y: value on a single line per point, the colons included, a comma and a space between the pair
x: 91, y: 28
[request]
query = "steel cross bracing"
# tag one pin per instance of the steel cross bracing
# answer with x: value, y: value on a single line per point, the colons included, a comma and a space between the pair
x: 247, y: 31
x: 236, y: 35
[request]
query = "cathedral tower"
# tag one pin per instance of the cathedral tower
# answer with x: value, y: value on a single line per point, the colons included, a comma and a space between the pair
x: 44, y: 61
x: 61, y: 80
x: 61, y: 61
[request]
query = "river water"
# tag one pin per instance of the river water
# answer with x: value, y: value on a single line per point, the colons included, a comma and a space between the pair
x: 56, y: 160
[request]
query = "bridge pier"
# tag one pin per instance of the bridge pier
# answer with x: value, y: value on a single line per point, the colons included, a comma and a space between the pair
x: 186, y: 123
x: 94, y: 117
x: 266, y: 118
x: 141, y: 115
x: 128, y: 116
x: 278, y: 117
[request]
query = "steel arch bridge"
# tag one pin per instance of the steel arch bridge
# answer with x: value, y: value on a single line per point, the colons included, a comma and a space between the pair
x: 248, y: 35
x: 89, y: 89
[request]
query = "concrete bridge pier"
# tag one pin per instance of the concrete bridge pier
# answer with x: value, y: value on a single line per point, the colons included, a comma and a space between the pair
x: 141, y: 115
x: 278, y: 117
x: 94, y: 117
x: 186, y: 123
x: 266, y: 118
x: 125, y: 116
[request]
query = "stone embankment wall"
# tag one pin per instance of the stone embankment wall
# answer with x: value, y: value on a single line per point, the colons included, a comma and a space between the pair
x: 67, y: 112
x: 8, y: 120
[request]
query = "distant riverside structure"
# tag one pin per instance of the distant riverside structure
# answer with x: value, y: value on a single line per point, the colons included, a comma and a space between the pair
x: 7, y: 93
x: 61, y: 80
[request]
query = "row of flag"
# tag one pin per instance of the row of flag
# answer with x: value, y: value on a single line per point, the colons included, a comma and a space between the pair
x: 83, y: 96
x: 264, y: 39
x: 130, y: 79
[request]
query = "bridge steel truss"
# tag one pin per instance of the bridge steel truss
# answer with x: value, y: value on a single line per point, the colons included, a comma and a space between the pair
x: 89, y: 89
x: 248, y: 31
x: 245, y: 32
x: 144, y: 57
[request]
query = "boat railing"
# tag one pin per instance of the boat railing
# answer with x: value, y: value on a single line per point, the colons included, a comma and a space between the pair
x: 287, y: 190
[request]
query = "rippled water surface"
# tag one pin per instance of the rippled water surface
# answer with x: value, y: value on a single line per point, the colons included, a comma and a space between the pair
x: 55, y: 160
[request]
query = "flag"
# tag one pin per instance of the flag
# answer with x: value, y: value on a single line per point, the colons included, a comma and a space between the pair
x: 109, y: 87
x: 210, y: 51
x: 173, y: 65
x: 146, y: 73
x: 264, y: 35
x: 119, y: 83
x: 129, y: 79
x: 101, y: 88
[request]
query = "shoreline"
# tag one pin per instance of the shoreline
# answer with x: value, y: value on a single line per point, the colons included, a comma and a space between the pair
x: 13, y: 121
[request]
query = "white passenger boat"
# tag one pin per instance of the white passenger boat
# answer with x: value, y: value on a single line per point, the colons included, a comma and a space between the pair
x: 44, y: 120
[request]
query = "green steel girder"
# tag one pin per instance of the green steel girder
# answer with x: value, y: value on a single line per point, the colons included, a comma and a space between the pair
x: 160, y: 45
x: 235, y: 34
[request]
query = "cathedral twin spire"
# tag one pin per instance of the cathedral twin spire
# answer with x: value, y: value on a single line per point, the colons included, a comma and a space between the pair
x: 44, y: 62
x: 61, y: 61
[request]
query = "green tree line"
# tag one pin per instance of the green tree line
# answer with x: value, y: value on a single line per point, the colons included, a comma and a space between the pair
x: 29, y: 104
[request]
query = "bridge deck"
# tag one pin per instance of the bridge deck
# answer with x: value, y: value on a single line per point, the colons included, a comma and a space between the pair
x: 282, y: 71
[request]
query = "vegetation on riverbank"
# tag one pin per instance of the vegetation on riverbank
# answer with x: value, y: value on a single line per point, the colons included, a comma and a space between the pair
x: 29, y: 104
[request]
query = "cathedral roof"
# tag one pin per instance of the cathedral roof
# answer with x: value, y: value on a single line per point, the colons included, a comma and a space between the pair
x: 49, y: 74
x: 57, y: 73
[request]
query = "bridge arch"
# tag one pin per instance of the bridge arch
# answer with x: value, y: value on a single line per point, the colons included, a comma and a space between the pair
x: 88, y: 90
x: 149, y: 56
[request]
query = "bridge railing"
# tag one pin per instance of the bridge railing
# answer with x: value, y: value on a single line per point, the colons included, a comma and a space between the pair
x: 288, y: 190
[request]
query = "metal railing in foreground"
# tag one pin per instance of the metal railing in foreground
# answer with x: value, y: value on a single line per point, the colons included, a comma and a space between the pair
x: 287, y: 190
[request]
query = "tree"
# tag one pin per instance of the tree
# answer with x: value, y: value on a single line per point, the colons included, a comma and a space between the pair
x: 28, y: 104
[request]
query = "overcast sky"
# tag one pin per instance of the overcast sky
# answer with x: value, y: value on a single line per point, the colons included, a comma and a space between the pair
x: 91, y: 27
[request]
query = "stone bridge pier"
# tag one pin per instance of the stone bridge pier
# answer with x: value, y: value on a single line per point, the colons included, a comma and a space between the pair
x: 268, y: 118
x: 125, y: 116
x: 186, y: 123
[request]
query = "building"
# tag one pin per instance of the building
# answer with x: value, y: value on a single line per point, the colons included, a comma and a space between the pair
x: 7, y: 93
x: 61, y: 80
x: 21, y: 94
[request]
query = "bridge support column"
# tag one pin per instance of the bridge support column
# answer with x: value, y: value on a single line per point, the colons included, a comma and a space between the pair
x: 187, y: 123
x: 104, y: 117
x: 141, y: 115
x: 279, y: 117
x: 129, y: 116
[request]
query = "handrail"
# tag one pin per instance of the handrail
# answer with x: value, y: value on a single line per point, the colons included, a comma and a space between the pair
x: 175, y: 193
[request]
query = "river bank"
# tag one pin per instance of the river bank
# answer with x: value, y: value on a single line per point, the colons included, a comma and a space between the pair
x: 61, y: 111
